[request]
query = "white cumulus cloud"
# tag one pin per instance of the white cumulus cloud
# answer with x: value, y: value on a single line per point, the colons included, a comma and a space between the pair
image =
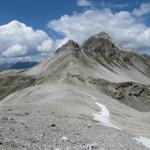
x: 45, y: 46
x: 20, y: 40
x: 15, y: 50
x: 121, y: 26
x: 144, y: 9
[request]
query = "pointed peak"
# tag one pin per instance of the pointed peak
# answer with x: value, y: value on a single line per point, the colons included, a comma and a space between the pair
x: 100, y: 44
x: 70, y: 46
x: 103, y: 35
x: 99, y: 39
x: 71, y: 43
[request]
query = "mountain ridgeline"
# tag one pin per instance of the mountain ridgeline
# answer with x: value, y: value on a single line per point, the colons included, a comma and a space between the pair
x: 121, y: 74
x: 76, y: 98
x: 101, y: 48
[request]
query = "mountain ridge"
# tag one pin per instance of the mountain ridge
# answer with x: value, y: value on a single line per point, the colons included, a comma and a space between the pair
x: 103, y: 53
x: 78, y: 97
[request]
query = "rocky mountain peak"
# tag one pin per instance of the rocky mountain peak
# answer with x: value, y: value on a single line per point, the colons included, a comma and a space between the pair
x: 103, y: 35
x: 100, y: 44
x: 70, y: 45
x: 100, y: 39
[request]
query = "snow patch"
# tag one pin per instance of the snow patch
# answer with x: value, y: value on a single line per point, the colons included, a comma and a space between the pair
x: 145, y: 141
x: 103, y: 116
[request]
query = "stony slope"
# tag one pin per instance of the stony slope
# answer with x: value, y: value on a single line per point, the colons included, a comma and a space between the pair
x: 123, y: 75
x: 94, y: 96
x: 100, y: 56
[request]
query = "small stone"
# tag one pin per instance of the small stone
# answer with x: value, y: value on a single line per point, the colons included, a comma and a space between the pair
x: 13, y: 130
x: 64, y: 138
x: 91, y: 146
x: 26, y: 113
x: 23, y: 146
x: 89, y: 125
x: 71, y: 141
x: 9, y: 109
x: 42, y: 135
x: 4, y: 118
x: 15, y: 136
x: 77, y: 134
x: 25, y: 127
x: 53, y: 125
x: 12, y: 119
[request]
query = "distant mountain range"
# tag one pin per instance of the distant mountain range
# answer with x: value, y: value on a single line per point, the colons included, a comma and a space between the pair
x: 18, y: 65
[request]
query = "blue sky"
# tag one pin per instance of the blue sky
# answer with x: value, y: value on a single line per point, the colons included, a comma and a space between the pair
x: 37, y: 13
x: 52, y: 23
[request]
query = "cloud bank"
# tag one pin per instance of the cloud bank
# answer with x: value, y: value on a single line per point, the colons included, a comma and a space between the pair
x: 122, y: 27
x: 19, y: 41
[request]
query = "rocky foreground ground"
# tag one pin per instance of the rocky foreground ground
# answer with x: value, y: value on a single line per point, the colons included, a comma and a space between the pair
x: 73, y: 122
x: 48, y: 129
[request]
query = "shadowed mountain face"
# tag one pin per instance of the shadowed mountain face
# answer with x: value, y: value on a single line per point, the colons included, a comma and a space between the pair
x: 73, y: 85
x: 102, y: 47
